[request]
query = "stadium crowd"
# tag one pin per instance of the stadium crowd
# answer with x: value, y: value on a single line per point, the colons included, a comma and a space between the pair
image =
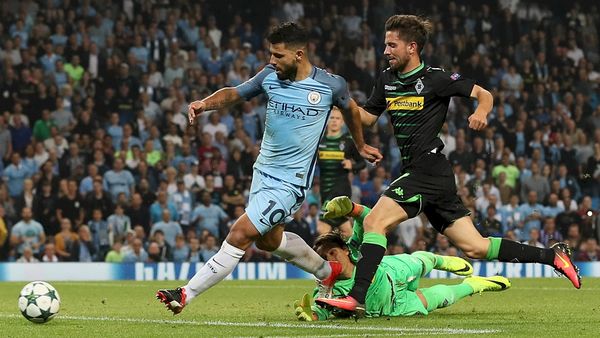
x: 99, y: 163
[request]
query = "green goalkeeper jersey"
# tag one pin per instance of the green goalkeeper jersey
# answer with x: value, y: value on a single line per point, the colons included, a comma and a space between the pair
x: 392, y: 291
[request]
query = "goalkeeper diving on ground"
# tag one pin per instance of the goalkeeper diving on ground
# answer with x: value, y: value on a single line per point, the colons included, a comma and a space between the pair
x: 395, y: 288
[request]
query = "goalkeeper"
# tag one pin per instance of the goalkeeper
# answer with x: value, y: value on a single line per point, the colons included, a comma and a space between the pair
x: 395, y: 288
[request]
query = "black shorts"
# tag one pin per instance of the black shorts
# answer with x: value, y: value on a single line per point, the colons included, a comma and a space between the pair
x: 427, y: 185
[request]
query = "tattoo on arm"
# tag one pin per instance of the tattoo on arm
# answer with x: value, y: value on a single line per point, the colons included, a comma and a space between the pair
x: 221, y: 98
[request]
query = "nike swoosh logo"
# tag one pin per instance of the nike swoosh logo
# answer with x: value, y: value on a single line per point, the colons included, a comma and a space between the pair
x: 564, y: 261
x: 502, y: 285
x: 271, y: 87
x: 466, y: 268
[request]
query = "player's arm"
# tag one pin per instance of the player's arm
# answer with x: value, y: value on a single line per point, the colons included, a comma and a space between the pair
x: 222, y: 98
x: 353, y: 161
x: 375, y: 105
x: 351, y: 113
x: 485, y: 102
x: 367, y: 118
x: 229, y: 96
x: 454, y: 84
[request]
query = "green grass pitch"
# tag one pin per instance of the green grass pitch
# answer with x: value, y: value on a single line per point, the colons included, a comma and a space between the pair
x: 533, y: 308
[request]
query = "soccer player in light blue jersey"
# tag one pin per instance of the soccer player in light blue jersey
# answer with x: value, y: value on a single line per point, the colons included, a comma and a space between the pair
x: 300, y: 98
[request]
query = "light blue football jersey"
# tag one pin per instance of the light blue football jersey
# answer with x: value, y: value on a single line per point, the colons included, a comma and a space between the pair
x: 297, y: 114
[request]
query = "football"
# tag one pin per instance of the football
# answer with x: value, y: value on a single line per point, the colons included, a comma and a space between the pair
x: 39, y: 302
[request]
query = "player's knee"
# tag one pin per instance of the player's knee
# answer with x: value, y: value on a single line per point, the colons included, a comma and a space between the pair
x: 475, y: 250
x: 240, y: 237
x: 267, y: 244
x: 372, y: 223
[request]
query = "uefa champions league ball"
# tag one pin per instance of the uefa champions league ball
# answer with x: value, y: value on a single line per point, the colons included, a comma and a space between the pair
x: 39, y: 302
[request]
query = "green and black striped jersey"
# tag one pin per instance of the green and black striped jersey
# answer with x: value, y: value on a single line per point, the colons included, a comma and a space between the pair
x: 417, y: 103
x: 332, y: 151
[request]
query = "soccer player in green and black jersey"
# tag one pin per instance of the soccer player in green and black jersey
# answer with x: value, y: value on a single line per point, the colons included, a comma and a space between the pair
x: 417, y: 96
x: 337, y: 157
x: 395, y: 288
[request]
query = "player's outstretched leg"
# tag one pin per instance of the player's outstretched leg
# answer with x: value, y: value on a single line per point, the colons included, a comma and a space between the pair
x: 464, y: 235
x: 440, y: 296
x: 483, y: 284
x: 294, y: 249
x: 219, y: 266
x: 456, y: 265
x: 558, y: 256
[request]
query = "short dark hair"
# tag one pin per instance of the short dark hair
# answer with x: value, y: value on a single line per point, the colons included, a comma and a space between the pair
x: 289, y: 33
x: 328, y: 241
x: 410, y: 28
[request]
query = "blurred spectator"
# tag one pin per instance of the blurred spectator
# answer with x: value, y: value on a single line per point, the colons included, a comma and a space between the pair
x: 300, y: 226
x: 97, y: 199
x: 232, y: 196
x: 181, y: 251
x: 49, y: 254
x: 101, y: 233
x: 138, y: 212
x: 86, y: 249
x: 161, y: 205
x: 4, y: 244
x: 15, y: 174
x: 118, y: 223
x: 589, y: 251
x: 195, y: 253
x: 511, y: 171
x: 534, y: 238
x: 27, y: 233
x: 491, y: 226
x: 573, y: 238
x: 136, y: 254
x: 209, y: 248
x: 27, y: 256
x: 168, y: 227
x: 114, y: 255
x: 531, y: 213
x: 549, y: 232
x: 536, y: 182
x: 70, y: 205
x: 165, y: 249
x: 20, y: 134
x: 154, y: 253
x: 118, y: 180
x: 208, y: 216
x: 66, y: 242
x: 27, y: 197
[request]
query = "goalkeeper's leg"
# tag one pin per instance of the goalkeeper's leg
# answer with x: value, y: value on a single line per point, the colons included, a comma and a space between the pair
x: 452, y: 264
x: 439, y: 296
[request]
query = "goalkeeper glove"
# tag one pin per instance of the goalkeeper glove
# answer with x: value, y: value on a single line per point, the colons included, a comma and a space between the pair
x: 303, y: 309
x: 338, y: 207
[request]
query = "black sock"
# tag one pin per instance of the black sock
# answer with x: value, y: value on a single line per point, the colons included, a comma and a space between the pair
x: 365, y: 270
x: 511, y: 251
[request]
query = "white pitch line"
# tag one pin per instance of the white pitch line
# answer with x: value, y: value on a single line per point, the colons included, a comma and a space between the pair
x: 397, y: 330
x: 137, y: 285
x: 583, y: 288
x: 354, y: 335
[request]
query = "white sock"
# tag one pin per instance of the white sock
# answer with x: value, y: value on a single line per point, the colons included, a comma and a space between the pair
x: 295, y: 250
x: 215, y: 270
